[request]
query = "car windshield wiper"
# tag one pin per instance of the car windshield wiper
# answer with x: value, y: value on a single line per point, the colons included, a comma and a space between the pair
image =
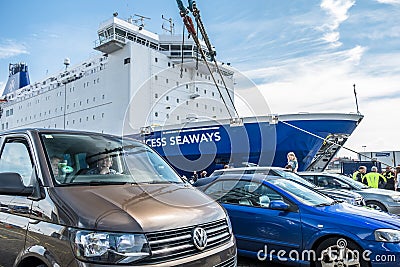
x: 94, y: 183
x: 325, y: 204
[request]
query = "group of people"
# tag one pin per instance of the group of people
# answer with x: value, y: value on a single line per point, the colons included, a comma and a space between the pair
x: 196, y: 176
x: 389, y: 179
x: 103, y: 166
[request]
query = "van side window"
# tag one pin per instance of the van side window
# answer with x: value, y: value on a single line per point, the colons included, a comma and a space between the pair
x: 15, y: 158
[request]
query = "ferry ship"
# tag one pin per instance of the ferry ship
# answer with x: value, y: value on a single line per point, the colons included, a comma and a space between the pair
x: 155, y: 87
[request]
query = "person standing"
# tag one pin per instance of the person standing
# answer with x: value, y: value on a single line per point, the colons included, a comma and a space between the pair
x: 397, y: 182
x: 359, y: 175
x: 374, y: 179
x: 390, y: 177
x: 292, y: 161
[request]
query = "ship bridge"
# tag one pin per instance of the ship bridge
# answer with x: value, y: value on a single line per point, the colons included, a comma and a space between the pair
x: 114, y: 34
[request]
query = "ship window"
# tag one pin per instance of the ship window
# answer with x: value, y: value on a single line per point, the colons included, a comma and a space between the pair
x: 67, y: 123
x: 87, y: 118
x: 94, y: 99
x: 185, y: 70
x: 167, y: 98
x: 156, y: 59
x: 177, y: 100
x: 166, y: 80
x: 173, y: 65
x: 102, y: 115
x: 87, y: 101
x: 167, y: 116
x: 80, y: 103
x: 93, y: 117
x: 67, y: 106
x: 177, y: 83
x: 187, y: 103
x: 98, y: 79
x: 127, y: 60
x: 103, y: 96
x: 155, y: 95
x: 80, y: 119
x: 212, y: 93
x: 197, y: 105
x: 44, y: 113
x: 205, y: 91
x: 6, y: 125
x: 156, y: 114
x: 197, y: 74
x: 177, y: 118
x: 197, y: 89
x: 220, y: 110
x: 7, y: 113
x: 61, y: 108
x: 74, y: 104
x: 175, y: 47
x: 213, y: 108
x: 169, y: 64
x: 155, y: 78
x: 187, y: 86
x: 205, y: 106
x: 40, y: 114
x: 55, y: 125
x: 164, y: 47
x: 17, y: 121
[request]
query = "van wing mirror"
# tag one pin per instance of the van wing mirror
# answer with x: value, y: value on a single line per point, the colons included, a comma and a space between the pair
x: 11, y: 184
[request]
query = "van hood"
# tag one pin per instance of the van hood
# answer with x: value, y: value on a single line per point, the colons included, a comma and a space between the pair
x: 380, y: 192
x: 134, y: 208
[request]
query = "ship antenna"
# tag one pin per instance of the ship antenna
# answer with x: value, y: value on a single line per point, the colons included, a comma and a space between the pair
x: 140, y: 20
x: 66, y: 63
x: 355, y: 95
x: 171, y: 28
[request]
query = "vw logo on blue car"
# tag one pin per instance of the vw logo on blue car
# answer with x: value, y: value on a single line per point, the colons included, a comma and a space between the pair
x: 199, y: 238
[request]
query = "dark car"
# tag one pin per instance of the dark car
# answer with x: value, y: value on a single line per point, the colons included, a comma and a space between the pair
x: 274, y: 218
x: 336, y: 193
x: 380, y: 199
x: 85, y: 199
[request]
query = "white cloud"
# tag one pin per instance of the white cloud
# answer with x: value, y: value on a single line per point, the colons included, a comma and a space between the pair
x: 392, y: 2
x: 10, y: 48
x: 338, y: 13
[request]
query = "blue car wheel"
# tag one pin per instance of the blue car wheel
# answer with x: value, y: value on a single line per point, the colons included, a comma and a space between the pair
x: 340, y: 252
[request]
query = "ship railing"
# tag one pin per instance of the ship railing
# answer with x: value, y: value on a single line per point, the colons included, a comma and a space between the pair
x: 113, y: 37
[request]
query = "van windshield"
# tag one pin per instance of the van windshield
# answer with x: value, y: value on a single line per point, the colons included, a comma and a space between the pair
x: 94, y: 159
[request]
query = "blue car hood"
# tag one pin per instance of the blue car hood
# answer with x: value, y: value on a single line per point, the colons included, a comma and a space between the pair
x: 360, y: 215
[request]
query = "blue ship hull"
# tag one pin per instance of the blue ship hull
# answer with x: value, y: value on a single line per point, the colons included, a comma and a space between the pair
x: 258, y: 141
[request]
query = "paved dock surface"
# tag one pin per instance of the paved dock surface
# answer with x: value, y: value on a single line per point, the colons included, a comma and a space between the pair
x: 246, y: 262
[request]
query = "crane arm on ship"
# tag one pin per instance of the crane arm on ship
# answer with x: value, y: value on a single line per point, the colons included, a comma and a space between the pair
x: 191, y: 29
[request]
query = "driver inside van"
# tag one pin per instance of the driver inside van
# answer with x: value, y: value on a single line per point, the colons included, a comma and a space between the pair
x: 103, y: 166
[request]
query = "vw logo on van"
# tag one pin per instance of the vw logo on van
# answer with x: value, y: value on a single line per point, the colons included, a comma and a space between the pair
x: 200, y: 238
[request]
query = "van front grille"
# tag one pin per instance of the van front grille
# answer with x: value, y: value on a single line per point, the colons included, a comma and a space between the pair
x: 178, y: 243
x: 229, y: 263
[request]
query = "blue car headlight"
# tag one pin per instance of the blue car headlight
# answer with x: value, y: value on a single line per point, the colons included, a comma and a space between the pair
x: 107, y: 247
x: 387, y: 235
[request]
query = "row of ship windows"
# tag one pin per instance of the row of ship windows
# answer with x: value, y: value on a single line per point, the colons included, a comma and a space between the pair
x: 156, y: 114
x: 48, y: 98
x: 5, y: 126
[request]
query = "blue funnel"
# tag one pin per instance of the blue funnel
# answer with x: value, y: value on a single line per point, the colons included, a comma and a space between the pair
x: 18, y: 78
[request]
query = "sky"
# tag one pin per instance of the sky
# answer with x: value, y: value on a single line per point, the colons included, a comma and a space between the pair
x: 303, y: 55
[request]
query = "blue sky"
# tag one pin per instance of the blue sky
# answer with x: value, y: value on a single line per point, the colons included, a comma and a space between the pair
x: 304, y: 55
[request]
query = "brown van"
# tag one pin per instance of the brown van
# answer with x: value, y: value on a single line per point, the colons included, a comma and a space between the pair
x: 71, y: 198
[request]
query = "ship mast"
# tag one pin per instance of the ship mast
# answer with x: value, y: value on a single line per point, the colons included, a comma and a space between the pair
x: 187, y: 20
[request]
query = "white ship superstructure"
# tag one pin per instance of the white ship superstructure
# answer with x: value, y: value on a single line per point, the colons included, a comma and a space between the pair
x: 137, y: 79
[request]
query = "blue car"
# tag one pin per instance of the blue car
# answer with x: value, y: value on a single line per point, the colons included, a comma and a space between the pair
x: 275, y: 219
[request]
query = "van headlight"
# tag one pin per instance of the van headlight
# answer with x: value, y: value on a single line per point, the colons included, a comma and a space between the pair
x: 387, y: 235
x: 107, y: 247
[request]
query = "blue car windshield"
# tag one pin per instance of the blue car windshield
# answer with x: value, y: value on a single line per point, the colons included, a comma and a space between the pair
x: 77, y: 159
x: 302, y: 193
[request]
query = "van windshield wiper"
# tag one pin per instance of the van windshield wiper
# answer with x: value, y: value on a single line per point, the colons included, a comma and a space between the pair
x: 325, y: 204
x: 94, y: 183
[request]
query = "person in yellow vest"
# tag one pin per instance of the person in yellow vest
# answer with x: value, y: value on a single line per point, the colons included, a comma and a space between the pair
x: 374, y: 179
x: 390, y: 177
x: 358, y: 175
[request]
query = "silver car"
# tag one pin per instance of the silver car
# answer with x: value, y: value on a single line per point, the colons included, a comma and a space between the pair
x: 380, y: 199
